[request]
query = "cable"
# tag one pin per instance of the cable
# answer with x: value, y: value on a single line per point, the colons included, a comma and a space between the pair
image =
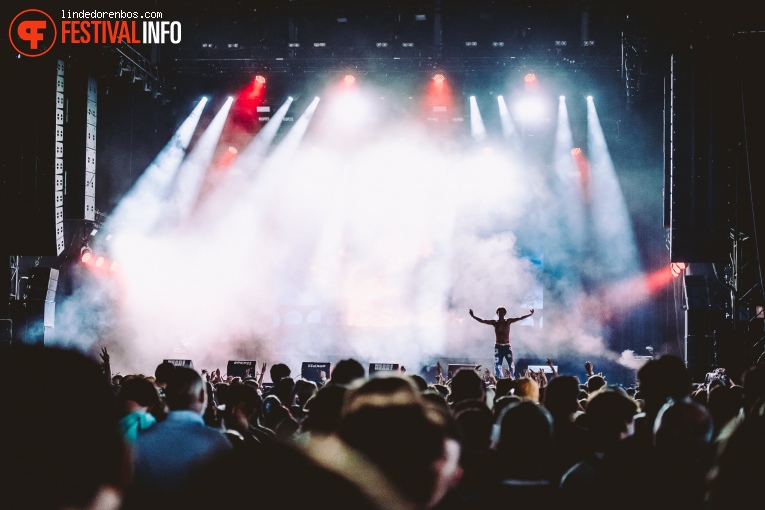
x: 751, y: 199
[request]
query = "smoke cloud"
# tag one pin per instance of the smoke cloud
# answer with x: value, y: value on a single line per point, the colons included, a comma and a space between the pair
x: 371, y: 245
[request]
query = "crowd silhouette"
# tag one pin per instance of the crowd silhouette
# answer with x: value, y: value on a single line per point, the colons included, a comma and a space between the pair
x: 74, y: 437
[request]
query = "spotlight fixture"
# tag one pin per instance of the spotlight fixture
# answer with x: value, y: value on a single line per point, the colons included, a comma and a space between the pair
x: 530, y: 78
x: 576, y: 151
x: 260, y: 79
x: 589, y: 98
x: 349, y: 80
x: 85, y: 254
x: 562, y: 98
x: 438, y: 78
x: 99, y: 261
x: 677, y: 268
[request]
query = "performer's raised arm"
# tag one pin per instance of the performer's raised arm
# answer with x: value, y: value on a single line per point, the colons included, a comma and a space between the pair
x: 484, y: 321
x: 516, y: 319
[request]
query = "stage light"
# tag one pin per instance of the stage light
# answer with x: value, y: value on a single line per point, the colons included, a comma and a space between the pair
x: 232, y: 150
x: 260, y: 79
x: 477, y: 128
x: 99, y: 261
x: 576, y: 151
x: 438, y: 78
x: 589, y: 98
x: 114, y: 266
x: 562, y: 98
x: 86, y: 255
x: 349, y: 80
x: 677, y: 268
x: 530, y: 78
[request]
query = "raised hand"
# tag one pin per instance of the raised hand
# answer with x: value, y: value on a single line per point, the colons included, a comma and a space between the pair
x: 104, y: 356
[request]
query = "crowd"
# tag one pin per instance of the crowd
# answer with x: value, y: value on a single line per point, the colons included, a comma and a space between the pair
x: 74, y: 437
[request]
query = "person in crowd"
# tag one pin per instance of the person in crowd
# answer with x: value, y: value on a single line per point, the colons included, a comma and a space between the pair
x: 60, y: 448
x: 503, y: 351
x: 683, y: 432
x: 304, y: 391
x: 387, y: 421
x: 136, y: 399
x: 528, y: 388
x: 476, y: 422
x: 278, y: 372
x: 347, y: 371
x: 736, y: 477
x: 521, y: 460
x: 467, y: 385
x: 659, y: 379
x: 323, y: 410
x: 240, y: 418
x: 597, y: 479
x: 167, y: 454
x: 571, y: 441
x: 285, y: 390
x: 162, y: 374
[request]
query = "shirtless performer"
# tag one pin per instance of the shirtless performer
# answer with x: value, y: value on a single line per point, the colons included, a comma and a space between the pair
x: 502, y: 348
